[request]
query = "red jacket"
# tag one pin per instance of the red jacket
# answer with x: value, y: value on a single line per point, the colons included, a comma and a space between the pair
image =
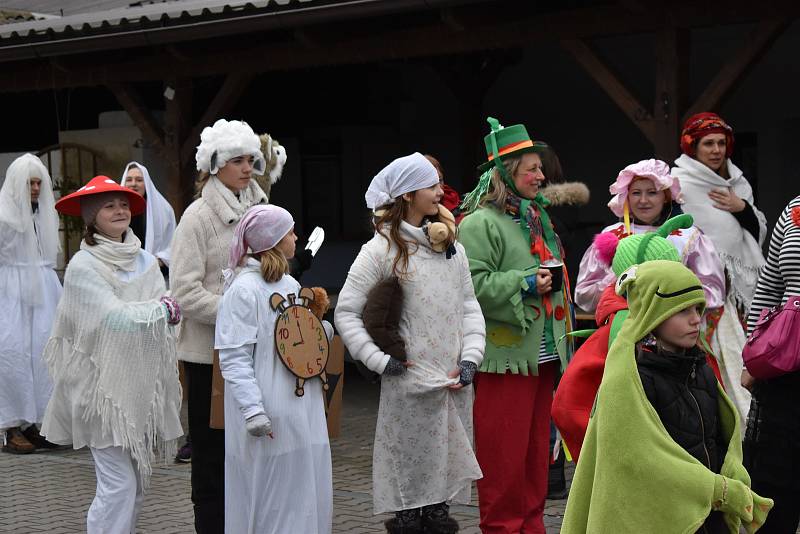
x: 577, y: 389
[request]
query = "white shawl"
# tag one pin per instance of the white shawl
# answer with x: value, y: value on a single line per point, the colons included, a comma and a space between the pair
x: 36, y: 233
x: 738, y: 250
x: 160, y: 216
x: 112, y: 337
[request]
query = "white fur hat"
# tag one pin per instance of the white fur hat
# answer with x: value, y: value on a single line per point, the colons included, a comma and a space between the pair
x: 226, y: 140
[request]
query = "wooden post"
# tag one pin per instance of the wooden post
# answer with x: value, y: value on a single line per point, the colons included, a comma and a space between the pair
x: 178, y: 103
x: 672, y: 51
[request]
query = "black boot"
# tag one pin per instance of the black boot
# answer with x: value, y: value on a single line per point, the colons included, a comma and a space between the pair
x: 405, y: 522
x: 556, y: 481
x: 436, y: 519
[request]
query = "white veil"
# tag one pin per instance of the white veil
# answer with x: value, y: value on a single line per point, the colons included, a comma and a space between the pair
x: 160, y: 217
x: 35, y: 235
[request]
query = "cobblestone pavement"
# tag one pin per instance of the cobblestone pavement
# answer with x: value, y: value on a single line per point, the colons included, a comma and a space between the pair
x: 51, y: 492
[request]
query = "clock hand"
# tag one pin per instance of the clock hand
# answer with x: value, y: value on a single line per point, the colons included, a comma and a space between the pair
x: 300, y: 331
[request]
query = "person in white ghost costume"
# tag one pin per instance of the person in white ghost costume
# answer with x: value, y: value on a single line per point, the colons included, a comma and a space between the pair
x: 29, y: 247
x: 278, y: 476
x: 157, y: 224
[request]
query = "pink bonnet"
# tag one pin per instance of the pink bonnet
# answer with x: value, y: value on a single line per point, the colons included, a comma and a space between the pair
x: 652, y: 169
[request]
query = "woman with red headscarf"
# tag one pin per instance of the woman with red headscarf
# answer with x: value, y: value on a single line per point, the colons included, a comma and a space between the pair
x: 720, y: 199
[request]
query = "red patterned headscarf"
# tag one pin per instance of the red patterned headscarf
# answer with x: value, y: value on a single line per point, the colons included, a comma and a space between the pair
x: 700, y: 125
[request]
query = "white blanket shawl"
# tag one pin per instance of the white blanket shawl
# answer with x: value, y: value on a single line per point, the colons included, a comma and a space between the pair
x: 112, y: 338
x: 738, y: 250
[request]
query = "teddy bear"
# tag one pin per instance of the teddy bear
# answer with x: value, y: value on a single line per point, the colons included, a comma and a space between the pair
x: 319, y: 306
x: 442, y: 232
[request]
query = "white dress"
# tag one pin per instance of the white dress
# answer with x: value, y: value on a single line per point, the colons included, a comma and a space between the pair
x: 274, y: 485
x: 423, y: 451
x: 25, y: 384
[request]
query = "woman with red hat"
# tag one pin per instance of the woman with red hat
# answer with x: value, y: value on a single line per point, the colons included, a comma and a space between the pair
x: 112, y: 356
x: 719, y: 197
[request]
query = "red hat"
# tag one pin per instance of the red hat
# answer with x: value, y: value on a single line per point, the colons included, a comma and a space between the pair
x: 71, y: 204
x: 700, y: 125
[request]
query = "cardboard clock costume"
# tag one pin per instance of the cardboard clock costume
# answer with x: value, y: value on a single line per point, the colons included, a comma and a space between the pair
x: 300, y: 339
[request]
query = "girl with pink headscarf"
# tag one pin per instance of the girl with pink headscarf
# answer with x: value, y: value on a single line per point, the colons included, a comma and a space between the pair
x: 278, y: 475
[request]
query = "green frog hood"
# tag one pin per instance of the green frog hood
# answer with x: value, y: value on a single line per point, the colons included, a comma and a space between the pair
x: 632, y: 476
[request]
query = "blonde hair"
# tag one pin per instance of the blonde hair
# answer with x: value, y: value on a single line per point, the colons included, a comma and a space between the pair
x: 273, y: 264
x: 200, y: 183
x: 498, y: 190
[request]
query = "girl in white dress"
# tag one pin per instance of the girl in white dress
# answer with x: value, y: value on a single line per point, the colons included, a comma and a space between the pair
x: 278, y: 475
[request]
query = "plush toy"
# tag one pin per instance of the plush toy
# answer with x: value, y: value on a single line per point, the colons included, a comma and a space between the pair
x: 381, y: 315
x: 321, y: 302
x: 275, y: 158
x: 442, y: 232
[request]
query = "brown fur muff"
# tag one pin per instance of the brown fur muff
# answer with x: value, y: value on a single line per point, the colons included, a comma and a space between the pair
x: 381, y: 317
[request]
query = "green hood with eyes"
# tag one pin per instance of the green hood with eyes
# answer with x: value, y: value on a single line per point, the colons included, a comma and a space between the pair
x: 632, y: 476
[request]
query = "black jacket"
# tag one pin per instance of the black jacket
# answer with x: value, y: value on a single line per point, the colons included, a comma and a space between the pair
x: 683, y: 391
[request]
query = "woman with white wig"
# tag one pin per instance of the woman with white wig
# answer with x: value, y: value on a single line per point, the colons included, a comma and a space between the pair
x: 157, y: 224
x: 227, y: 157
x: 29, y: 247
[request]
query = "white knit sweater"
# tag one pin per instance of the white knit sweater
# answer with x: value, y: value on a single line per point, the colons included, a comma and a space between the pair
x: 200, y: 250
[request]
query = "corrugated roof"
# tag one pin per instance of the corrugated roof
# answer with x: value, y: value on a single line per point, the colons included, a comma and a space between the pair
x: 107, y: 20
x: 63, y: 8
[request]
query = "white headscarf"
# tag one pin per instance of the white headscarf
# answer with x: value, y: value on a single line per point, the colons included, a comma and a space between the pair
x: 403, y: 175
x: 37, y: 233
x: 160, y: 217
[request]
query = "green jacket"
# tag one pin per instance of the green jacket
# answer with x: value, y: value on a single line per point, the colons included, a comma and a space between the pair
x: 499, y: 260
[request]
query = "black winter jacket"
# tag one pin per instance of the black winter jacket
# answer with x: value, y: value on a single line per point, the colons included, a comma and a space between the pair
x: 683, y: 391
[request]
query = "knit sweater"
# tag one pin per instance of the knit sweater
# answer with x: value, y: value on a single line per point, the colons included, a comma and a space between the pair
x: 200, y: 250
x: 499, y: 260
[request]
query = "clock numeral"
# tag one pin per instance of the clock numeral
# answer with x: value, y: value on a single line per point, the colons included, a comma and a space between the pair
x: 282, y: 348
x: 283, y: 333
x: 289, y: 362
x: 319, y: 364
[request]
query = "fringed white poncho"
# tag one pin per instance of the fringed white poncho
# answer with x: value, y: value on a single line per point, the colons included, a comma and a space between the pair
x: 113, y: 360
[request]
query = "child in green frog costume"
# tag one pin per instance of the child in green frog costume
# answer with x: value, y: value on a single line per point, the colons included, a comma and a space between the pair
x: 633, y: 475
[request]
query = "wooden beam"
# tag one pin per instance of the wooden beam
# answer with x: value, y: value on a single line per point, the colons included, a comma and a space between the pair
x: 740, y: 63
x: 139, y: 112
x: 232, y: 89
x: 671, y: 91
x: 613, y: 87
x: 180, y: 176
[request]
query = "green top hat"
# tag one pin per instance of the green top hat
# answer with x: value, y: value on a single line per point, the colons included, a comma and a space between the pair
x: 503, y: 142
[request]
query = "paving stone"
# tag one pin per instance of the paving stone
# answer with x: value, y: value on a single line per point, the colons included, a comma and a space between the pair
x: 51, y: 492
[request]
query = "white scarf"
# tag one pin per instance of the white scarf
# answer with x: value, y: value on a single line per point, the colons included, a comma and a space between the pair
x: 228, y: 207
x: 119, y: 255
x: 160, y: 216
x: 737, y: 248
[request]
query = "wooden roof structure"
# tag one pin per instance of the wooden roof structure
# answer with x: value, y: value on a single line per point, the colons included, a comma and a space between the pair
x: 176, y: 41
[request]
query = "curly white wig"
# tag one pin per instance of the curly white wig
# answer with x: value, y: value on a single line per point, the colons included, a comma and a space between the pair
x: 227, y: 140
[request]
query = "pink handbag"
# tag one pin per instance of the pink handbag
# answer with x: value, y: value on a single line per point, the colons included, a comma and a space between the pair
x: 773, y: 349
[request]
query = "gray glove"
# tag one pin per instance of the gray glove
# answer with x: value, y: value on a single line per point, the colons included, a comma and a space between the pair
x: 394, y: 367
x: 258, y: 425
x: 468, y: 370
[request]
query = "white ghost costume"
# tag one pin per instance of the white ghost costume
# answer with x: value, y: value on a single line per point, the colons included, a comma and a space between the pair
x: 29, y: 246
x: 160, y: 217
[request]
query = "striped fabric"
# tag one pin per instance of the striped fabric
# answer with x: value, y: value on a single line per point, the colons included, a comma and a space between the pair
x: 780, y: 277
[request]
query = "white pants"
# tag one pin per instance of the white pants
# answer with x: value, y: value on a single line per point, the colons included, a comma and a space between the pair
x: 118, y: 498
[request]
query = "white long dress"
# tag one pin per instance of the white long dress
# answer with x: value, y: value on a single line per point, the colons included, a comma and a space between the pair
x: 274, y: 485
x: 29, y: 291
x: 423, y: 451
x: 25, y: 384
